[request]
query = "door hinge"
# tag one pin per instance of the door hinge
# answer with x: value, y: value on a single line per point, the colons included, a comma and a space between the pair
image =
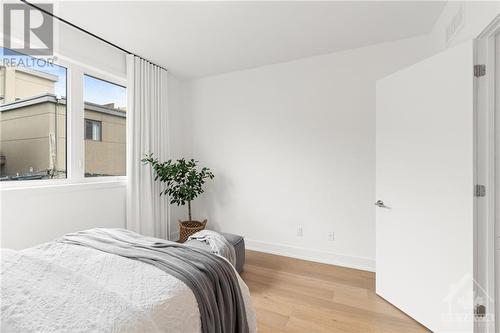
x: 480, y: 190
x: 479, y: 70
x: 479, y: 311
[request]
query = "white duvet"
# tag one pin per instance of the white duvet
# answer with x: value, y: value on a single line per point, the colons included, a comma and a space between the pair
x: 58, y: 287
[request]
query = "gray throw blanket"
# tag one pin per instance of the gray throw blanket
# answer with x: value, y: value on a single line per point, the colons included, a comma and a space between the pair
x: 211, y: 278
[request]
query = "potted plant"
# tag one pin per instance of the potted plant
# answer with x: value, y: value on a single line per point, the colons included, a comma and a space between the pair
x: 184, y: 182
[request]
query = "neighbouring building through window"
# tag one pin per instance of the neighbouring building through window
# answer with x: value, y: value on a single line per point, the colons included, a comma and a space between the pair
x: 32, y: 122
x: 105, y: 128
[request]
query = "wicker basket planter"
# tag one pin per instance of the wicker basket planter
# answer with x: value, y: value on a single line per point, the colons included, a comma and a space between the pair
x: 187, y: 228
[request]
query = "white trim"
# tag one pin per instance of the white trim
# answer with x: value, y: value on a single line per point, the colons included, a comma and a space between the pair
x: 325, y: 257
x: 496, y: 183
x: 484, y: 247
x: 58, y: 183
x: 55, y: 186
x: 492, y: 29
x: 75, y: 143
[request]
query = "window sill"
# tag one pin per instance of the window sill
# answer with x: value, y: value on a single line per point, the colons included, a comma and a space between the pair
x: 65, y: 184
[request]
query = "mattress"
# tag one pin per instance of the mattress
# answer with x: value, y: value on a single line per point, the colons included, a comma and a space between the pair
x: 61, y: 287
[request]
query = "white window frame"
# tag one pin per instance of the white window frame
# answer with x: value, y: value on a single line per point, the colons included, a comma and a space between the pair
x: 75, y: 136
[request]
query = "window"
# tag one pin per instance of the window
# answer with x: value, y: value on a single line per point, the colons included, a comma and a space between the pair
x: 32, y: 118
x: 105, y: 128
x: 34, y: 122
x: 93, y: 130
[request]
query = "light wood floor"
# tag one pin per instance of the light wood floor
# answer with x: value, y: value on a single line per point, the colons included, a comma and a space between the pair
x: 292, y: 295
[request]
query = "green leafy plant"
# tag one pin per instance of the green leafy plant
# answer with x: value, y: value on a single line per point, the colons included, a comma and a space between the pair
x: 183, y: 180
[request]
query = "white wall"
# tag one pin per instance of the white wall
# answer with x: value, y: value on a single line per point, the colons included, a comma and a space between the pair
x: 291, y: 145
x: 30, y: 216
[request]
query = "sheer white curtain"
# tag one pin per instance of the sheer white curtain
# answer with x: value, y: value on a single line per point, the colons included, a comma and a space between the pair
x: 147, y: 212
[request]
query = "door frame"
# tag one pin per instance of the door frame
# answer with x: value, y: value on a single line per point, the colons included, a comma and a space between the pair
x: 486, y: 271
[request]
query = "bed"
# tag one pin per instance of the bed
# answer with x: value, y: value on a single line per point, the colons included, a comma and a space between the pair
x: 62, y: 287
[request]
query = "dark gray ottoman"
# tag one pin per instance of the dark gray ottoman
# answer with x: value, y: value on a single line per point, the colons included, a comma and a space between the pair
x: 238, y: 243
x: 239, y: 248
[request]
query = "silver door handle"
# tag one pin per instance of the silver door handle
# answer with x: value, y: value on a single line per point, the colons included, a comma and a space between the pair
x: 380, y: 204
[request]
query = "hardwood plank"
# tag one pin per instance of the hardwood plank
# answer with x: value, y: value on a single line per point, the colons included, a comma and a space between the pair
x: 271, y: 319
x: 292, y: 295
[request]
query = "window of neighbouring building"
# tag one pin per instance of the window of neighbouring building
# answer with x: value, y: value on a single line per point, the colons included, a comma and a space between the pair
x: 105, y: 127
x: 93, y: 130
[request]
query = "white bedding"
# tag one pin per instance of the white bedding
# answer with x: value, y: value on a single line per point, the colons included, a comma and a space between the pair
x: 61, y: 287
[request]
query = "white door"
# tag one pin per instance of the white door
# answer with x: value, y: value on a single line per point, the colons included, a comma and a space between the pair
x: 425, y: 178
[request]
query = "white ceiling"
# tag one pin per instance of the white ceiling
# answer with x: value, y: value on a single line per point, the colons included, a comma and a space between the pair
x: 194, y: 39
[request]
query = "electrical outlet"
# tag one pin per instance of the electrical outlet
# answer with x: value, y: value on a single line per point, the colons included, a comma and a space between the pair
x: 299, y: 231
x: 331, y: 236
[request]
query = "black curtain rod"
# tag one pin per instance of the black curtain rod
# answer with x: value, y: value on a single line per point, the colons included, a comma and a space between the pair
x: 87, y: 32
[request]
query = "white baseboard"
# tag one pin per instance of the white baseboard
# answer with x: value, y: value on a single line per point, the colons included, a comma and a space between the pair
x: 324, y: 257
